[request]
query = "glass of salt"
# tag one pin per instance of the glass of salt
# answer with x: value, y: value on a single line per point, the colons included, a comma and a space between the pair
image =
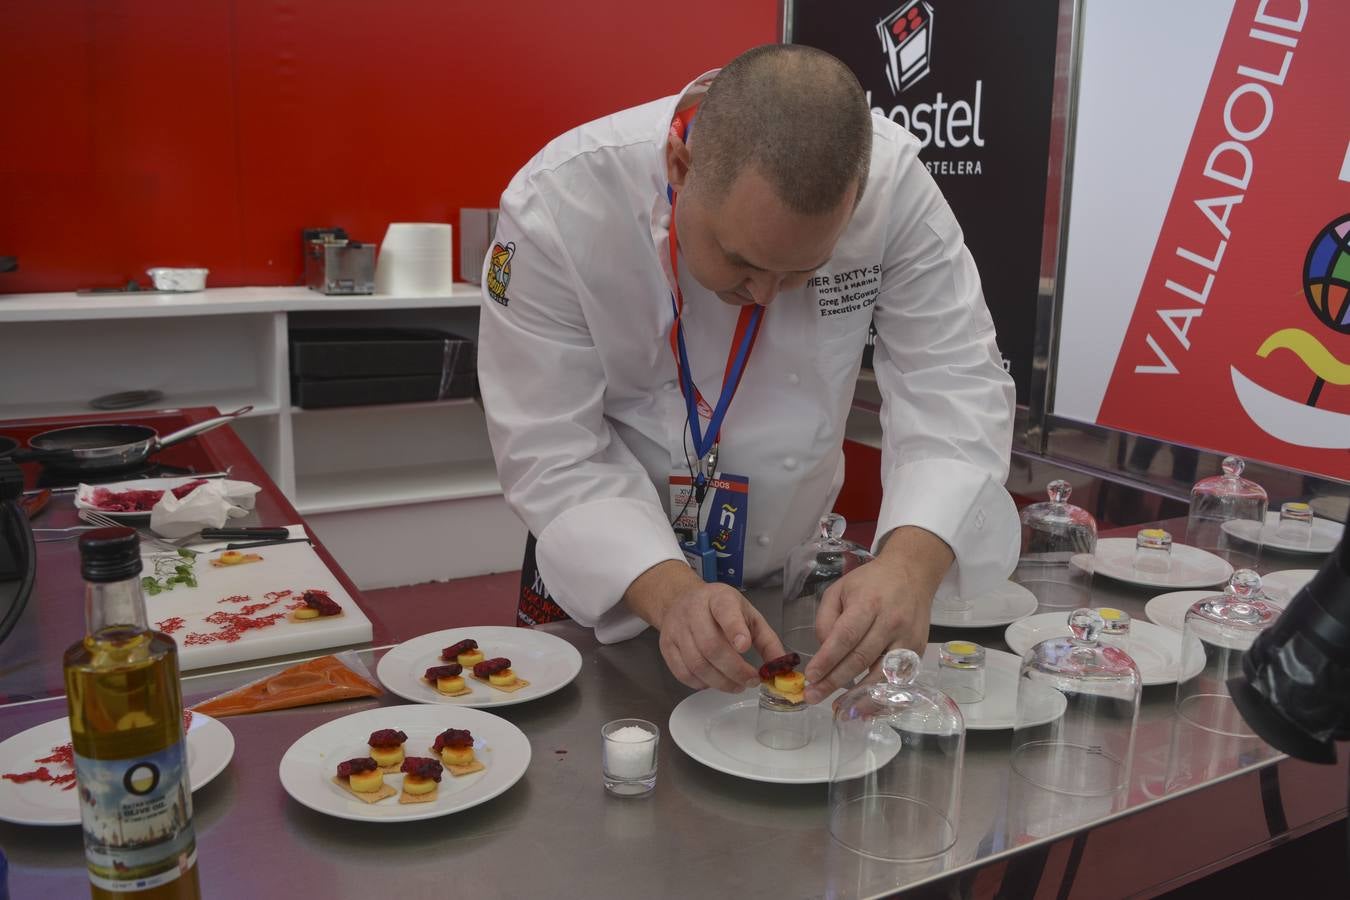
x: 628, y: 748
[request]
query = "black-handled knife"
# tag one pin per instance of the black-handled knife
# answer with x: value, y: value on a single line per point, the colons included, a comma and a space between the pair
x: 252, y: 544
x: 244, y: 533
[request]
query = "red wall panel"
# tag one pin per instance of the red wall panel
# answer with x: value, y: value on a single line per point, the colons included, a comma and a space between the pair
x: 209, y: 133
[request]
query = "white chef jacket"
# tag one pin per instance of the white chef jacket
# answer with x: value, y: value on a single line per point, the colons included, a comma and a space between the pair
x: 587, y: 421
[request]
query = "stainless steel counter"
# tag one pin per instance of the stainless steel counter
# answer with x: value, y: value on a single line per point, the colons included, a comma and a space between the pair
x: 1192, y: 804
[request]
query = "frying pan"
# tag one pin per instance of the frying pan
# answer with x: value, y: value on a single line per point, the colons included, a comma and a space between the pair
x: 96, y: 448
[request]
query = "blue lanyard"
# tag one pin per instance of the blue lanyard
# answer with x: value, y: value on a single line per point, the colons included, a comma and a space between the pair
x: 747, y: 330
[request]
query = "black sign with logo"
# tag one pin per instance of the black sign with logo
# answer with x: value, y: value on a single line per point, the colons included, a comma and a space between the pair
x: 974, y: 81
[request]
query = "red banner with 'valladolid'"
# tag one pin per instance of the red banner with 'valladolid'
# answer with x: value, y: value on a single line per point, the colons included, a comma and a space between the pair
x: 1240, y: 338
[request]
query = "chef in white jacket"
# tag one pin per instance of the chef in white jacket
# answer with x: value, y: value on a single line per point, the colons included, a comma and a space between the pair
x: 767, y: 207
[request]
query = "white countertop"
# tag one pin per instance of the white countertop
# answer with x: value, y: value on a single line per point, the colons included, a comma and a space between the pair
x: 52, y: 307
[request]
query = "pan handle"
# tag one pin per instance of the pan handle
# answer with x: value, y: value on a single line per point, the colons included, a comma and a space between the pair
x: 193, y: 430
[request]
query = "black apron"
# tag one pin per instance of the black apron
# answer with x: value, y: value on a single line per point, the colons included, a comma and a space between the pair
x: 535, y: 606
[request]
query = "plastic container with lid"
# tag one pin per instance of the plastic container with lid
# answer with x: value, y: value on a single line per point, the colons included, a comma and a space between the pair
x: 1058, y: 543
x: 809, y: 571
x: 895, y: 765
x: 1227, y: 515
x: 1216, y: 635
x: 1088, y: 750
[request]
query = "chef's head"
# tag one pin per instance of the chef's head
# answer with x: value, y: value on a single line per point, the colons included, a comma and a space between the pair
x: 774, y: 167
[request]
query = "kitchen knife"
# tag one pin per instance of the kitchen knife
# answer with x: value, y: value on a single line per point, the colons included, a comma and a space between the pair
x: 251, y: 544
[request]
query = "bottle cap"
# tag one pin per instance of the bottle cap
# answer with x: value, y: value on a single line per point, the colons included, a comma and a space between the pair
x: 110, y: 554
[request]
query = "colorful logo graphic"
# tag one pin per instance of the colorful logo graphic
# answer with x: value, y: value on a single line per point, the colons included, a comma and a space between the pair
x: 499, y: 271
x: 1326, y: 285
x: 1326, y: 275
x: 906, y: 40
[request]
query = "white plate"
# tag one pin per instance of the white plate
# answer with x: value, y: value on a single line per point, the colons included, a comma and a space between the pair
x: 1191, y: 567
x: 1325, y: 535
x: 1003, y: 605
x: 1155, y: 650
x: 1282, y: 586
x: 548, y: 663
x: 718, y: 730
x: 998, y: 710
x: 309, y: 765
x: 82, y: 497
x: 210, y: 748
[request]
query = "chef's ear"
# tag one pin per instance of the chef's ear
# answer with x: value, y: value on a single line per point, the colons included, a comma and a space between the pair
x: 677, y: 161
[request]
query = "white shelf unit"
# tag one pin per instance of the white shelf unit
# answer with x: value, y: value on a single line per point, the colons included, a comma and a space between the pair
x: 401, y: 494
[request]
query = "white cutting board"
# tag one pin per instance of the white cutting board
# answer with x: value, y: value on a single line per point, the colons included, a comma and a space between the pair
x: 294, y: 567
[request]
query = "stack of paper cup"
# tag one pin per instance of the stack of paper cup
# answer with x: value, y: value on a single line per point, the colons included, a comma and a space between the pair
x: 415, y: 259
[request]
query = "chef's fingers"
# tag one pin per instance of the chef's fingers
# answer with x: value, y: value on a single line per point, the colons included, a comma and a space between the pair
x: 831, y: 606
x: 675, y: 662
x: 766, y: 643
x: 728, y: 610
x: 710, y: 655
x: 853, y: 644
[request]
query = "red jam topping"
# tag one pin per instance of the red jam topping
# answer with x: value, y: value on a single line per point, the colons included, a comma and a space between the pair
x: 137, y: 501
x: 356, y: 766
x: 458, y: 738
x: 491, y: 666
x: 423, y: 767
x: 387, y: 737
x: 779, y: 666
x: 455, y: 650
x: 443, y: 671
x: 320, y: 600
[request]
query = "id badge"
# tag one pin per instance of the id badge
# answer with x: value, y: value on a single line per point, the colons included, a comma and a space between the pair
x: 725, y: 518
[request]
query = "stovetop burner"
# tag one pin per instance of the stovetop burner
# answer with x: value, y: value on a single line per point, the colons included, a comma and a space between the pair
x: 56, y: 478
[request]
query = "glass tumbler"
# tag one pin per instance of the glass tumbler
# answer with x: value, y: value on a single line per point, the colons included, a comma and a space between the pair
x: 1295, y: 526
x: 628, y: 756
x: 961, y: 672
x: 1153, y: 551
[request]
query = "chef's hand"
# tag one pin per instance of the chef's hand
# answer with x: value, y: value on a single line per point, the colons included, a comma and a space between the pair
x: 704, y: 627
x: 881, y: 605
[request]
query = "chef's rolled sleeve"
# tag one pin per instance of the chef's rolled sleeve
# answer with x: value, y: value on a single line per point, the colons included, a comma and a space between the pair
x: 947, y: 410
x: 635, y: 537
x: 564, y: 471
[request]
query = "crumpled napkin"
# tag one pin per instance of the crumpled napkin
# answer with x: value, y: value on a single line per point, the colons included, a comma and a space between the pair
x: 210, y: 505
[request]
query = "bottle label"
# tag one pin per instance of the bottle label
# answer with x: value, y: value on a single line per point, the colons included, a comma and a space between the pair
x: 137, y: 817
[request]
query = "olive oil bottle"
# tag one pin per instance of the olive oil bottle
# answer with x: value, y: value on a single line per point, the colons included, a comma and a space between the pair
x: 126, y: 723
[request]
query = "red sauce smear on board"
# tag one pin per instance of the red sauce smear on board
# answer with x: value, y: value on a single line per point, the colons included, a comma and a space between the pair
x: 171, y: 624
x: 232, y: 626
x: 64, y: 756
